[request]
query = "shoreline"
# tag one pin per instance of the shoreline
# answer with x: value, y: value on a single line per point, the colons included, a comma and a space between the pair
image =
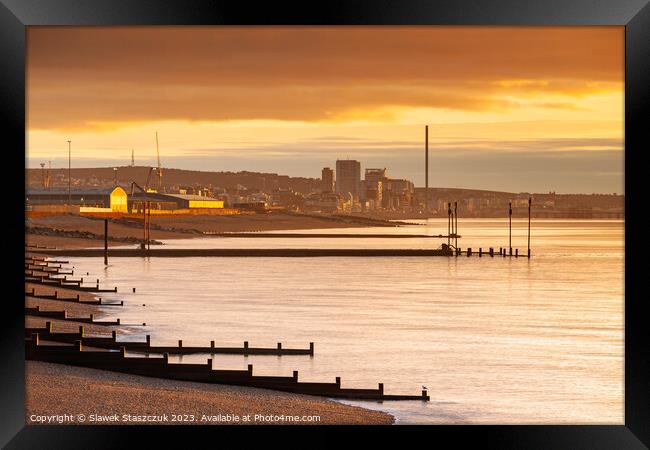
x: 52, y: 390
x: 70, y: 231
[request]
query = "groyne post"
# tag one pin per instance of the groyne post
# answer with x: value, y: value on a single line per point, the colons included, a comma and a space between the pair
x: 456, y: 224
x: 510, y: 227
x: 106, y: 242
x: 144, y: 225
x: 448, y: 224
x: 529, y: 205
x: 148, y: 226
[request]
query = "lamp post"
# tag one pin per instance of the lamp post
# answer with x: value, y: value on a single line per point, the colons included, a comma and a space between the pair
x: 114, y: 176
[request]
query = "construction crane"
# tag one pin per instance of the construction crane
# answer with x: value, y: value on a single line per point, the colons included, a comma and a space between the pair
x: 145, y: 190
x: 160, y: 173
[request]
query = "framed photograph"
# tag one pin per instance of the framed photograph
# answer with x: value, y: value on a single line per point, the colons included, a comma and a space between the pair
x: 385, y: 218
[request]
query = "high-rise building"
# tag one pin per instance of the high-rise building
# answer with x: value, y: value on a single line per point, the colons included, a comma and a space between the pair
x: 372, y: 192
x: 375, y: 175
x: 327, y: 177
x: 348, y: 178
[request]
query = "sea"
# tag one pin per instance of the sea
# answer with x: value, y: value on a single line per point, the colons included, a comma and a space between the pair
x: 494, y: 340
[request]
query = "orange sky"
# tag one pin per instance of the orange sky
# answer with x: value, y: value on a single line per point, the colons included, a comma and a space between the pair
x: 292, y: 99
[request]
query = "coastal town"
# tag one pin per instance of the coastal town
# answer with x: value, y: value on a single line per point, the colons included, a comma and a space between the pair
x: 343, y: 189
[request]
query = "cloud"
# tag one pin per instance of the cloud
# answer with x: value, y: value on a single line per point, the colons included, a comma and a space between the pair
x: 105, y: 78
x: 359, y: 148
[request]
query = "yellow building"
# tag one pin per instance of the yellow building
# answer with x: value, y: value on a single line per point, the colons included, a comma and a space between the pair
x: 159, y: 201
x: 119, y: 200
x: 109, y: 200
x: 206, y: 203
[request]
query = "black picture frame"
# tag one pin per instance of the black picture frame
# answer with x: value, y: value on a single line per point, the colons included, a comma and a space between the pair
x: 16, y: 15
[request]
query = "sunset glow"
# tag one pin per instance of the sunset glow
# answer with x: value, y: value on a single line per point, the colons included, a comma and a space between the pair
x: 291, y: 100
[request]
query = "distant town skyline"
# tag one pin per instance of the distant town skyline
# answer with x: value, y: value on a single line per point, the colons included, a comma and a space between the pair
x: 508, y: 108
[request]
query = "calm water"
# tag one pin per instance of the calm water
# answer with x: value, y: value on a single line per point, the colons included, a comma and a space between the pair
x: 495, y: 340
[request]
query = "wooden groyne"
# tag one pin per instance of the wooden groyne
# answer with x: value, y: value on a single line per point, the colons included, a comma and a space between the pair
x: 37, y: 246
x: 43, y: 262
x: 76, y: 299
x: 326, y: 235
x: 49, y: 280
x: 253, y: 252
x: 160, y: 367
x: 47, y: 334
x: 48, y: 270
x: 51, y: 272
x: 63, y: 315
x: 280, y: 253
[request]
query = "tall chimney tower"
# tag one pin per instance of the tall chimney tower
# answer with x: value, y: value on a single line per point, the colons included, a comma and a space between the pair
x: 426, y: 169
